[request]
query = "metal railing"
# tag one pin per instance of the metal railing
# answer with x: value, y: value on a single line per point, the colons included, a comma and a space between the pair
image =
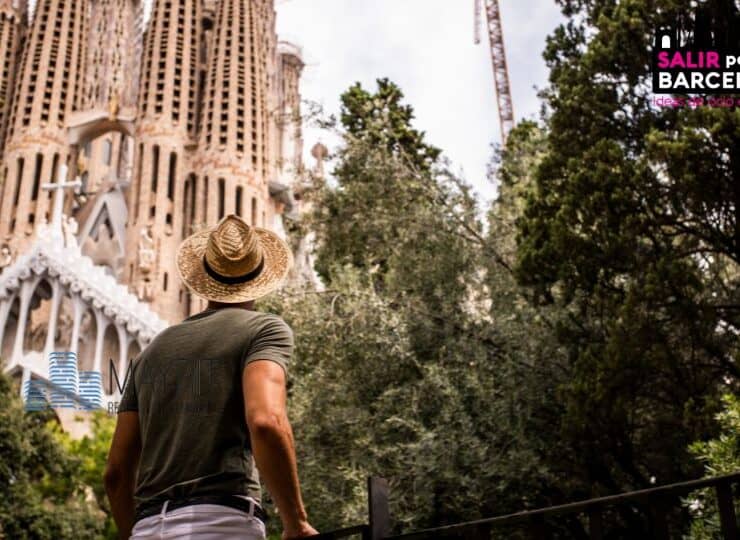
x: 658, y: 501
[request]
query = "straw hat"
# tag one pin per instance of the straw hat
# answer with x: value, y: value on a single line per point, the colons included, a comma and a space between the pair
x: 233, y: 262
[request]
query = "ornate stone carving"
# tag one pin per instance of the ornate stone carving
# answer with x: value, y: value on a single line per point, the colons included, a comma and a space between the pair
x: 113, y: 107
x: 64, y: 327
x: 70, y: 229
x: 145, y: 290
x: 6, y: 256
x: 93, y: 283
x: 147, y: 253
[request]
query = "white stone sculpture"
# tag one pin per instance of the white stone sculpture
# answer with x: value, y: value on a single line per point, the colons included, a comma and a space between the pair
x: 146, y: 251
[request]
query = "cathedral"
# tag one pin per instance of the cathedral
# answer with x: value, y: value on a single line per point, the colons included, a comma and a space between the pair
x: 118, y: 139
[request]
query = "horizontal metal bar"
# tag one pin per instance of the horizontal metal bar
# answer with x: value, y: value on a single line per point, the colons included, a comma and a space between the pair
x: 574, y: 508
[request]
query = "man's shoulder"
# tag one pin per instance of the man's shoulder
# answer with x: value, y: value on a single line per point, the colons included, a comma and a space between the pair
x: 247, y: 319
x: 262, y: 321
x: 236, y: 323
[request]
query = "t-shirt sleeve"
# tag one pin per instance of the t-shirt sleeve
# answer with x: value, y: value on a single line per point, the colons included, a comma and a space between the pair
x: 273, y: 341
x: 129, y: 399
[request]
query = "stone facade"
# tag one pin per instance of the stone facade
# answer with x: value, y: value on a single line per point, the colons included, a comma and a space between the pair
x: 169, y: 128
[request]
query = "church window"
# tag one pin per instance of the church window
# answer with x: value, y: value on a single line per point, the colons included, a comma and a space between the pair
x: 19, y: 179
x: 37, y: 178
x: 221, y: 198
x: 155, y: 167
x: 172, y: 176
x: 254, y: 211
x: 205, y: 198
x: 135, y: 195
x: 107, y: 151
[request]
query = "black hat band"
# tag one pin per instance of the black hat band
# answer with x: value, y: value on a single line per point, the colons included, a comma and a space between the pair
x: 229, y: 280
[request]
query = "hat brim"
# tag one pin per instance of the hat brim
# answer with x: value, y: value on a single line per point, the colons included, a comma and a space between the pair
x: 278, y: 260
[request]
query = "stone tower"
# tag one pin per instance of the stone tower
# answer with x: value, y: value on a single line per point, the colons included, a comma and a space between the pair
x: 289, y: 143
x: 13, y: 20
x: 168, y: 129
x: 48, y: 89
x: 166, y: 132
x: 162, y: 133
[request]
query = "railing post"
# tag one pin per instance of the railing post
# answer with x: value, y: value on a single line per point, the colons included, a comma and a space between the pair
x: 480, y: 532
x: 537, y: 528
x: 377, y: 500
x: 659, y: 518
x: 727, y: 518
x: 595, y: 524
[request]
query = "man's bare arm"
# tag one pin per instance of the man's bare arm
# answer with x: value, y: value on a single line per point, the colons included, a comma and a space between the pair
x: 272, y: 443
x: 120, y: 472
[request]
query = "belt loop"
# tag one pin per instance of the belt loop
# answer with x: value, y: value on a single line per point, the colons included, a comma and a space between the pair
x: 164, y: 507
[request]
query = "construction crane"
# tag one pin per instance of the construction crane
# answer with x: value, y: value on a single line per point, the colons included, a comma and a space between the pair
x: 498, y: 60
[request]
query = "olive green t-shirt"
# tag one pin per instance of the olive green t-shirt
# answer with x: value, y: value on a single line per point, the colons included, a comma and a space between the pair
x: 187, y: 387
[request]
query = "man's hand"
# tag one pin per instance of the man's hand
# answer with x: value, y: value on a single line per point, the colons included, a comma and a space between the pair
x: 263, y: 384
x: 303, y: 532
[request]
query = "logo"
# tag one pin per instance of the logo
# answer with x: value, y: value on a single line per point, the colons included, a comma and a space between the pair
x: 690, y: 69
x: 69, y: 388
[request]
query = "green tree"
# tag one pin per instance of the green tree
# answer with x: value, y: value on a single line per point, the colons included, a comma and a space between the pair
x: 397, y: 358
x: 92, y: 455
x: 397, y: 213
x: 378, y: 191
x: 719, y: 456
x: 630, y: 235
x: 423, y: 361
x: 41, y: 494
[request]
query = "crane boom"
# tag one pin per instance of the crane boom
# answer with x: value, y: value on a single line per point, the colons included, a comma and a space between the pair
x: 500, y: 67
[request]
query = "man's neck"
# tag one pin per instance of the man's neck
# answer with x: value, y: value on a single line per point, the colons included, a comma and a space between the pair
x: 249, y: 305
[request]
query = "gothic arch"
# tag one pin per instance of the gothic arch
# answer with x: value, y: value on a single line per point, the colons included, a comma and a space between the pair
x: 87, y: 130
x: 111, y: 353
x: 9, y: 329
x: 37, y: 318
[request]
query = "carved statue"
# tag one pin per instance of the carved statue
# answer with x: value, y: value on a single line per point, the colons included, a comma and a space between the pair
x: 146, y: 251
x: 36, y: 337
x: 145, y: 291
x: 70, y: 228
x: 113, y: 107
x: 37, y: 325
x: 81, y: 163
x: 6, y: 256
x: 64, y: 325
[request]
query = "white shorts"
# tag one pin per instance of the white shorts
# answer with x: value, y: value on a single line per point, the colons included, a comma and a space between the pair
x: 200, y: 522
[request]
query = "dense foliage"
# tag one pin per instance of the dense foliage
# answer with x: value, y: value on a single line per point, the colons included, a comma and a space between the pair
x: 92, y: 453
x: 41, y: 494
x: 720, y: 456
x: 422, y: 362
x: 631, y: 230
x: 574, y: 347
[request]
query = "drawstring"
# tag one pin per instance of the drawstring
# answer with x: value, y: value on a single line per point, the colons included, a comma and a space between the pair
x: 163, y: 517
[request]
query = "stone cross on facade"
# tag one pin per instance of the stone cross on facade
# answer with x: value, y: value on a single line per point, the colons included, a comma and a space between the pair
x: 58, y: 188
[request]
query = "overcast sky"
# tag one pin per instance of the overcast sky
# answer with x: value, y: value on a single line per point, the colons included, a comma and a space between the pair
x: 426, y: 47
